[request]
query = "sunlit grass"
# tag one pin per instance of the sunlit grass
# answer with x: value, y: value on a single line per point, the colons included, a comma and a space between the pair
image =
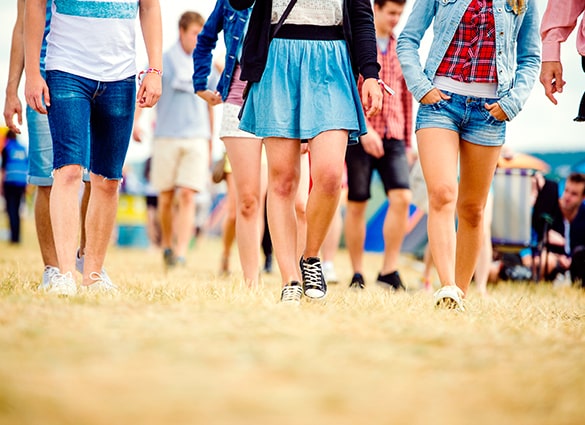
x: 191, y: 347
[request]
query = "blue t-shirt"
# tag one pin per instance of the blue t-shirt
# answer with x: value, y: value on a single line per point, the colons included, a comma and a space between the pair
x: 15, y: 163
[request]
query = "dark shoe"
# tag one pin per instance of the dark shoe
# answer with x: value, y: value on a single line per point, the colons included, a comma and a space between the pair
x: 313, y: 280
x: 391, y: 281
x: 169, y: 257
x: 357, y: 281
x: 291, y: 293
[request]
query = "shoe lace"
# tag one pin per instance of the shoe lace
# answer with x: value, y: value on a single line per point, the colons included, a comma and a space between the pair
x: 312, y: 273
x: 103, y: 282
x: 51, y: 271
x: 291, y: 293
x: 59, y: 279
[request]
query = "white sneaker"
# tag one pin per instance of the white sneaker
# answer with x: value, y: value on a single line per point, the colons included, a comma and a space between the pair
x: 49, y: 272
x: 449, y: 297
x: 101, y: 284
x: 62, y: 284
x: 329, y: 272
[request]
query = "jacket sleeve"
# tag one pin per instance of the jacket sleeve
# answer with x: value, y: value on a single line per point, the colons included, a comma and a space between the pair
x: 241, y: 4
x: 206, y: 42
x: 527, y: 63
x: 364, y: 38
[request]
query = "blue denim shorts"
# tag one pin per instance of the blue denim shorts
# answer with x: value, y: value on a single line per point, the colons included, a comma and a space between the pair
x: 91, y: 122
x: 465, y: 115
x: 40, y: 149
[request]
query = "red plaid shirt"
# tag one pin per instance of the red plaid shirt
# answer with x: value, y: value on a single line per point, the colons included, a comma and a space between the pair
x: 395, y: 119
x: 471, y: 54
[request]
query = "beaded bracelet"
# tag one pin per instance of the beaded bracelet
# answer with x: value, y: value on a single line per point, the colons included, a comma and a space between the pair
x: 149, y: 71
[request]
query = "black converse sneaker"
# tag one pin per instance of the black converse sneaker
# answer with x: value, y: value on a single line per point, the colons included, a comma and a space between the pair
x: 313, y: 280
x: 357, y: 281
x: 291, y: 293
x: 391, y: 281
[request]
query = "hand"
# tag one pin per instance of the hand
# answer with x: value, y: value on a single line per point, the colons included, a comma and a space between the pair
x: 551, y: 77
x: 213, y: 98
x: 434, y: 96
x: 496, y: 111
x: 35, y: 90
x: 12, y: 107
x: 372, y: 143
x: 150, y: 90
x: 371, y: 97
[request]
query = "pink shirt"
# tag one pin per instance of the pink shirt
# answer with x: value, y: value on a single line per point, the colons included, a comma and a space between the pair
x: 558, y: 21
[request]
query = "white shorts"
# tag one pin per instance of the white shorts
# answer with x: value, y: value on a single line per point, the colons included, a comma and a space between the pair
x: 180, y: 163
x: 230, y: 123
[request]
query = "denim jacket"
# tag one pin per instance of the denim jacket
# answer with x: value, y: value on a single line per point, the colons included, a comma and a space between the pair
x: 517, y: 48
x: 233, y: 24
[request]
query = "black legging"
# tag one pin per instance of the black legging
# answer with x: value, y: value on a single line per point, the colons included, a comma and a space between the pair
x: 13, y: 196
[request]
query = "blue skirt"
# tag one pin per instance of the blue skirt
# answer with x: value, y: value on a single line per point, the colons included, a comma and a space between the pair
x: 307, y: 88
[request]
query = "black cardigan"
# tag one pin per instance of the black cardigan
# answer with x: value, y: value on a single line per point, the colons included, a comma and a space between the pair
x: 358, y: 30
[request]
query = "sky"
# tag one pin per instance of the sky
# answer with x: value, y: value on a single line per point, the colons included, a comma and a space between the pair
x: 540, y: 126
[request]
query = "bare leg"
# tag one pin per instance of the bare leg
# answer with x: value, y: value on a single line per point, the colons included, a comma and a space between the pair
x: 478, y: 164
x: 355, y: 233
x: 439, y: 164
x: 484, y: 262
x: 64, y: 207
x: 395, y: 225
x: 165, y: 206
x: 245, y: 158
x: 100, y: 221
x: 327, y: 159
x: 283, y: 181
x: 301, y: 203
x: 333, y: 238
x: 229, y: 224
x: 83, y: 213
x: 185, y: 220
x: 43, y: 226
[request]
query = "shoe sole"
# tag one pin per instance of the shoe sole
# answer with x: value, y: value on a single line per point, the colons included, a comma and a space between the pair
x: 315, y: 294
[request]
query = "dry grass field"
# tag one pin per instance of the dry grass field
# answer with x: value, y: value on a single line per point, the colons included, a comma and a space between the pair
x: 189, y: 347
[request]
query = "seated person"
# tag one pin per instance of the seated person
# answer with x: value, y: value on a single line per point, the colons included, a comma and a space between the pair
x: 564, y: 240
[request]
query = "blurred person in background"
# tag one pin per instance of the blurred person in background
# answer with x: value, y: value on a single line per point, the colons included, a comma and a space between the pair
x: 14, y: 172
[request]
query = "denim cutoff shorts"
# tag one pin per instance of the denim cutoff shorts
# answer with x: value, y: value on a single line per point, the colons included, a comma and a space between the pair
x: 307, y: 88
x: 91, y: 122
x: 40, y: 149
x: 465, y: 115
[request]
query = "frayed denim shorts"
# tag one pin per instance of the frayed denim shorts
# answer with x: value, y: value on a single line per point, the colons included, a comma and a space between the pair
x: 307, y: 88
x: 465, y: 115
x: 91, y: 122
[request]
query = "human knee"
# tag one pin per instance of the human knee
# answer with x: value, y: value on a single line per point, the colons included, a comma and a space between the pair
x: 284, y: 185
x: 471, y: 213
x: 400, y: 199
x: 68, y: 174
x: 249, y: 205
x: 442, y: 196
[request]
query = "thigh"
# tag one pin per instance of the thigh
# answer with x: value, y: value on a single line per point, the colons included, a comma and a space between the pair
x: 112, y: 118
x: 477, y: 167
x: 69, y: 117
x: 245, y: 157
x: 393, y: 166
x: 438, y: 150
x: 359, y: 173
